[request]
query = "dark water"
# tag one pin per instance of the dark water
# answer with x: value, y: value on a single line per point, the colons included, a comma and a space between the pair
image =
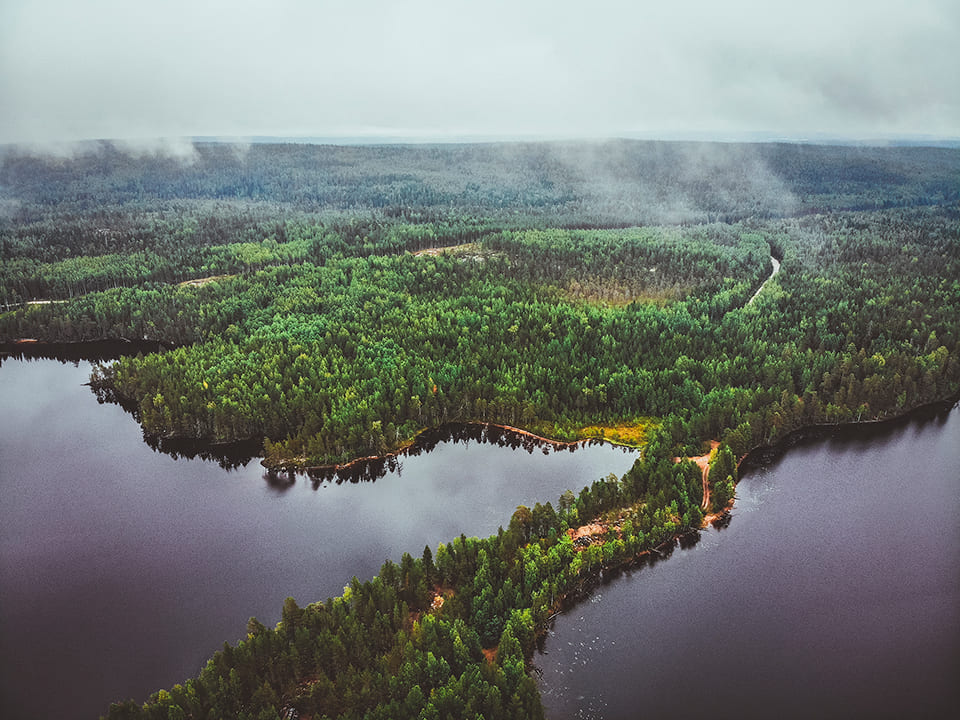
x: 833, y: 592
x: 123, y: 569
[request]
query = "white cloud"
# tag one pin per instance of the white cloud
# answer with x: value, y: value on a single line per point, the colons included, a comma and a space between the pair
x: 112, y: 68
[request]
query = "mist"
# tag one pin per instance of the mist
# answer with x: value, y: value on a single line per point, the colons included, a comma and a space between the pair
x: 435, y: 70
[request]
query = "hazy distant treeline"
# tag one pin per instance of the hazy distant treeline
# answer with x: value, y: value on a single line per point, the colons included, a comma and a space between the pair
x: 617, y: 182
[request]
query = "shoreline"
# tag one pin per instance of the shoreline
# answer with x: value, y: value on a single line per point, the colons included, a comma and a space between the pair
x: 101, y: 350
x: 73, y: 350
x: 299, y: 464
x: 584, y: 588
x: 90, y: 350
x: 821, y: 429
x: 406, y: 445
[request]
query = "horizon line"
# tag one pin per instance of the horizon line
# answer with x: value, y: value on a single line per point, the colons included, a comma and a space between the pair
x: 387, y: 137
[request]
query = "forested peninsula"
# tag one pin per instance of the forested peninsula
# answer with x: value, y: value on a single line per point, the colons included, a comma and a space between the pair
x: 333, y: 302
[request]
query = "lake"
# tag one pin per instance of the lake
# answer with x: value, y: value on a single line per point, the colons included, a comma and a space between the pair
x: 834, y: 591
x: 123, y: 569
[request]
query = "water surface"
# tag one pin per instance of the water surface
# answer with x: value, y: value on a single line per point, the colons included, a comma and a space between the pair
x: 833, y: 592
x: 123, y: 569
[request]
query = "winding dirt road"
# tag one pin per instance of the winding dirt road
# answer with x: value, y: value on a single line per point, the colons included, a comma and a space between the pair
x: 703, y: 462
x: 776, y: 269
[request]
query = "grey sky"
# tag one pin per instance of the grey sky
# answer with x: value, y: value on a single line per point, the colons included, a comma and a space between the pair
x: 72, y: 69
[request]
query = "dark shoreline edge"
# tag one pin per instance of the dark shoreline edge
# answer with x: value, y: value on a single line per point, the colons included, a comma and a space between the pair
x: 241, y: 450
x: 88, y: 350
x: 229, y: 454
x: 689, y: 537
x: 818, y: 431
x: 425, y: 439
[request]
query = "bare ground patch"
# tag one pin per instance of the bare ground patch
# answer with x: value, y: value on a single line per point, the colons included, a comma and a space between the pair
x: 200, y: 282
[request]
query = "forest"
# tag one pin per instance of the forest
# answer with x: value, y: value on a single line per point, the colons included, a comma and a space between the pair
x: 329, y: 303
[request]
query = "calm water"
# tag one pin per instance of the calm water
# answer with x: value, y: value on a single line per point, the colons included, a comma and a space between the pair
x: 122, y: 569
x: 833, y: 592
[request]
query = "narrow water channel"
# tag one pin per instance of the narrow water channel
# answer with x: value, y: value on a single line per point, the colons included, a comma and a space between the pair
x: 124, y: 569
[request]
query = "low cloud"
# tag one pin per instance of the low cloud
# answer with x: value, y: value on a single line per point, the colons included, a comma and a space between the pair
x: 428, y: 68
x: 181, y: 149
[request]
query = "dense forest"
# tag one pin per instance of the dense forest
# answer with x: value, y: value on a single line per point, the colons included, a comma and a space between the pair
x: 333, y: 302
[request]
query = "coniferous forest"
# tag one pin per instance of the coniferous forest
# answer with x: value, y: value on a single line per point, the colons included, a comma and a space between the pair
x: 330, y: 303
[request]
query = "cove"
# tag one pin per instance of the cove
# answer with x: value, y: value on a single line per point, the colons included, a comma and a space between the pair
x: 123, y: 568
x: 833, y: 591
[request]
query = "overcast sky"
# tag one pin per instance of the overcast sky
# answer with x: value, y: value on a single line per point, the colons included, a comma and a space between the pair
x: 74, y: 69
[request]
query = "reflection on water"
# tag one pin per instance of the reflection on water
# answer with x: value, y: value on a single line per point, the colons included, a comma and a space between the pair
x: 232, y: 456
x: 228, y: 455
x: 370, y: 470
x: 74, y: 353
x: 237, y: 454
x: 129, y: 570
